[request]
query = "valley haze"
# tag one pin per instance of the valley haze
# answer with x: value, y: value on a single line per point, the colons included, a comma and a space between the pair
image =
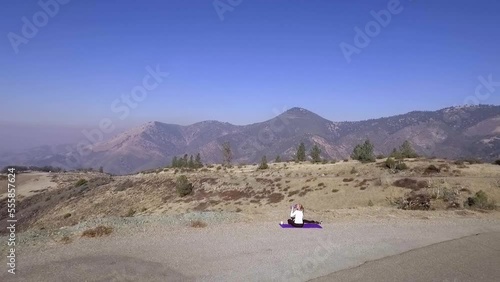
x: 454, y: 132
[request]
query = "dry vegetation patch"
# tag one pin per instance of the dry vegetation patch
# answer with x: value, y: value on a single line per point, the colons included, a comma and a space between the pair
x: 98, y: 231
x: 198, y: 224
x: 411, y: 184
x: 275, y: 198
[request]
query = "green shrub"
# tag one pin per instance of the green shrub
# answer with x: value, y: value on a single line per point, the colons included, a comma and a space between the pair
x: 395, y: 164
x: 370, y: 203
x: 263, y: 163
x: 480, y: 201
x: 183, y: 186
x: 497, y: 162
x: 81, y: 182
x: 66, y: 215
x: 363, y: 152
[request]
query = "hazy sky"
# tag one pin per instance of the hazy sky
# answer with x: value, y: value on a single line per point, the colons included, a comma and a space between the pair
x: 262, y: 57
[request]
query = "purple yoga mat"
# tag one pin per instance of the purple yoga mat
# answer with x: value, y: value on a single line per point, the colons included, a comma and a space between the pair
x: 306, y: 225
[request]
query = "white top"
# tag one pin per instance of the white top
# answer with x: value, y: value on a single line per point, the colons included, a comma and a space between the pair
x: 299, y: 215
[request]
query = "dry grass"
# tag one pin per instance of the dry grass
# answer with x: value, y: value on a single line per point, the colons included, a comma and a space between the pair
x: 247, y: 189
x: 98, y: 231
x: 66, y: 240
x: 411, y: 184
x: 198, y: 224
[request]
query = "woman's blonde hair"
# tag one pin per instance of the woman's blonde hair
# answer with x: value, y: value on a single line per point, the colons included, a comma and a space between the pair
x: 300, y: 207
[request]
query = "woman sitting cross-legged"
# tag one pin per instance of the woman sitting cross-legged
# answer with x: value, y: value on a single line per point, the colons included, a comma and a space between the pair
x: 297, y: 217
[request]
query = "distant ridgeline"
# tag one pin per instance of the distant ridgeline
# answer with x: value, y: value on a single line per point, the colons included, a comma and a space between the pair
x: 20, y: 168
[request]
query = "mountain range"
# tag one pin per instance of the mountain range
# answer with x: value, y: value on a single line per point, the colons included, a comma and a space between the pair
x: 455, y: 132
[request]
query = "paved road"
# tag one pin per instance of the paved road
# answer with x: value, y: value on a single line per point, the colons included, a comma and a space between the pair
x: 265, y: 252
x: 473, y: 258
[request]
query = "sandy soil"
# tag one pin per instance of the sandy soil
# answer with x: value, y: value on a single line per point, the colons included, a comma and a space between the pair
x: 28, y: 184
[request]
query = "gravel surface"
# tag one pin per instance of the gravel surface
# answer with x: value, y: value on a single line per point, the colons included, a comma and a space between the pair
x: 228, y: 250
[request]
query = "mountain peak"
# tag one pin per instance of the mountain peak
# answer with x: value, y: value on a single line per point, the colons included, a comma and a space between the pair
x: 298, y: 110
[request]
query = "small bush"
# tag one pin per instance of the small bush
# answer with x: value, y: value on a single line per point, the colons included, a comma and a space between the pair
x: 395, y: 165
x: 183, y: 186
x: 346, y: 160
x: 414, y: 201
x: 431, y: 169
x: 480, y: 201
x: 321, y: 184
x: 497, y: 162
x: 410, y: 184
x: 348, y: 179
x: 473, y: 161
x: 335, y: 190
x: 66, y: 215
x: 370, y: 203
x: 198, y: 224
x: 130, y: 212
x: 263, y: 163
x: 353, y: 170
x: 66, y: 240
x: 99, y: 231
x: 81, y: 182
x: 380, y: 157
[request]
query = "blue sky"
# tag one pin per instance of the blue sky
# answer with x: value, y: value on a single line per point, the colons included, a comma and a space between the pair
x: 264, y: 56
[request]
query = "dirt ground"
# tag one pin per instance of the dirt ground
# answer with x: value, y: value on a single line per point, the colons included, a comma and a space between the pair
x: 328, y: 191
x: 156, y: 231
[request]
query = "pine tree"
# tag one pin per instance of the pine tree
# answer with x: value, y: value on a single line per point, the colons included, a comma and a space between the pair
x: 363, y: 152
x: 227, y: 154
x: 316, y: 154
x: 185, y: 160
x: 396, y: 154
x: 191, y: 162
x: 407, y: 150
x: 301, y: 153
x: 175, y: 162
x: 263, y: 163
x: 278, y: 159
x: 197, y: 161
